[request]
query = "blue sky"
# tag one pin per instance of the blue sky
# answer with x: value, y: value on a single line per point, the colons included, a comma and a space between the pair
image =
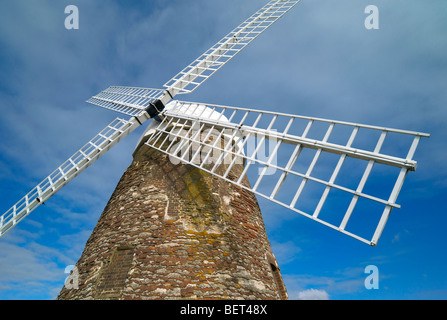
x: 319, y: 60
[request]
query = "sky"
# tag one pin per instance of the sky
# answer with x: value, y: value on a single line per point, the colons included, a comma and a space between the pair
x: 318, y: 60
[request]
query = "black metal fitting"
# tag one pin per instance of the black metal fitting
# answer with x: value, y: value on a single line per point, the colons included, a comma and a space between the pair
x: 155, y: 108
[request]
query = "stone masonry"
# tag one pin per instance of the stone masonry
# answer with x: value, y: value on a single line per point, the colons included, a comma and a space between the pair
x: 176, y: 232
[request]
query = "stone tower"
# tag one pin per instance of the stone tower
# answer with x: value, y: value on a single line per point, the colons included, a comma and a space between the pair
x: 176, y: 232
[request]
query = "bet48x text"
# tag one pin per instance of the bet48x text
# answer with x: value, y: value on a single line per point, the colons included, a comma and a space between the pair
x: 245, y: 309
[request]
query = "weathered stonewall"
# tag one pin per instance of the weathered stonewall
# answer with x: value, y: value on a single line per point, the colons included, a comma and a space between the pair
x: 176, y: 232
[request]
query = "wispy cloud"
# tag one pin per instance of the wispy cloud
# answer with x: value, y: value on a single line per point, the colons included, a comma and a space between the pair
x: 285, y: 252
x: 32, y: 266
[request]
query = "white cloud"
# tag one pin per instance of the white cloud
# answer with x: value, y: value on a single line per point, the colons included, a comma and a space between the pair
x: 346, y: 282
x: 313, y: 294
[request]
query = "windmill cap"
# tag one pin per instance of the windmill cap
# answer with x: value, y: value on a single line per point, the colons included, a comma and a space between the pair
x: 191, y: 109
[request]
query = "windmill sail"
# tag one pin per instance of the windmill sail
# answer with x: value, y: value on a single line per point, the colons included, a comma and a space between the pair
x: 132, y: 101
x: 127, y: 100
x: 83, y: 158
x: 223, y: 51
x: 238, y: 135
x: 144, y: 103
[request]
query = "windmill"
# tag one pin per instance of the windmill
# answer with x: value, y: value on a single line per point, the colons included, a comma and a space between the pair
x: 226, y: 143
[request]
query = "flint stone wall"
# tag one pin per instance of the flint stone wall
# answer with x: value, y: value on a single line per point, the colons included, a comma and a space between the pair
x: 176, y: 232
